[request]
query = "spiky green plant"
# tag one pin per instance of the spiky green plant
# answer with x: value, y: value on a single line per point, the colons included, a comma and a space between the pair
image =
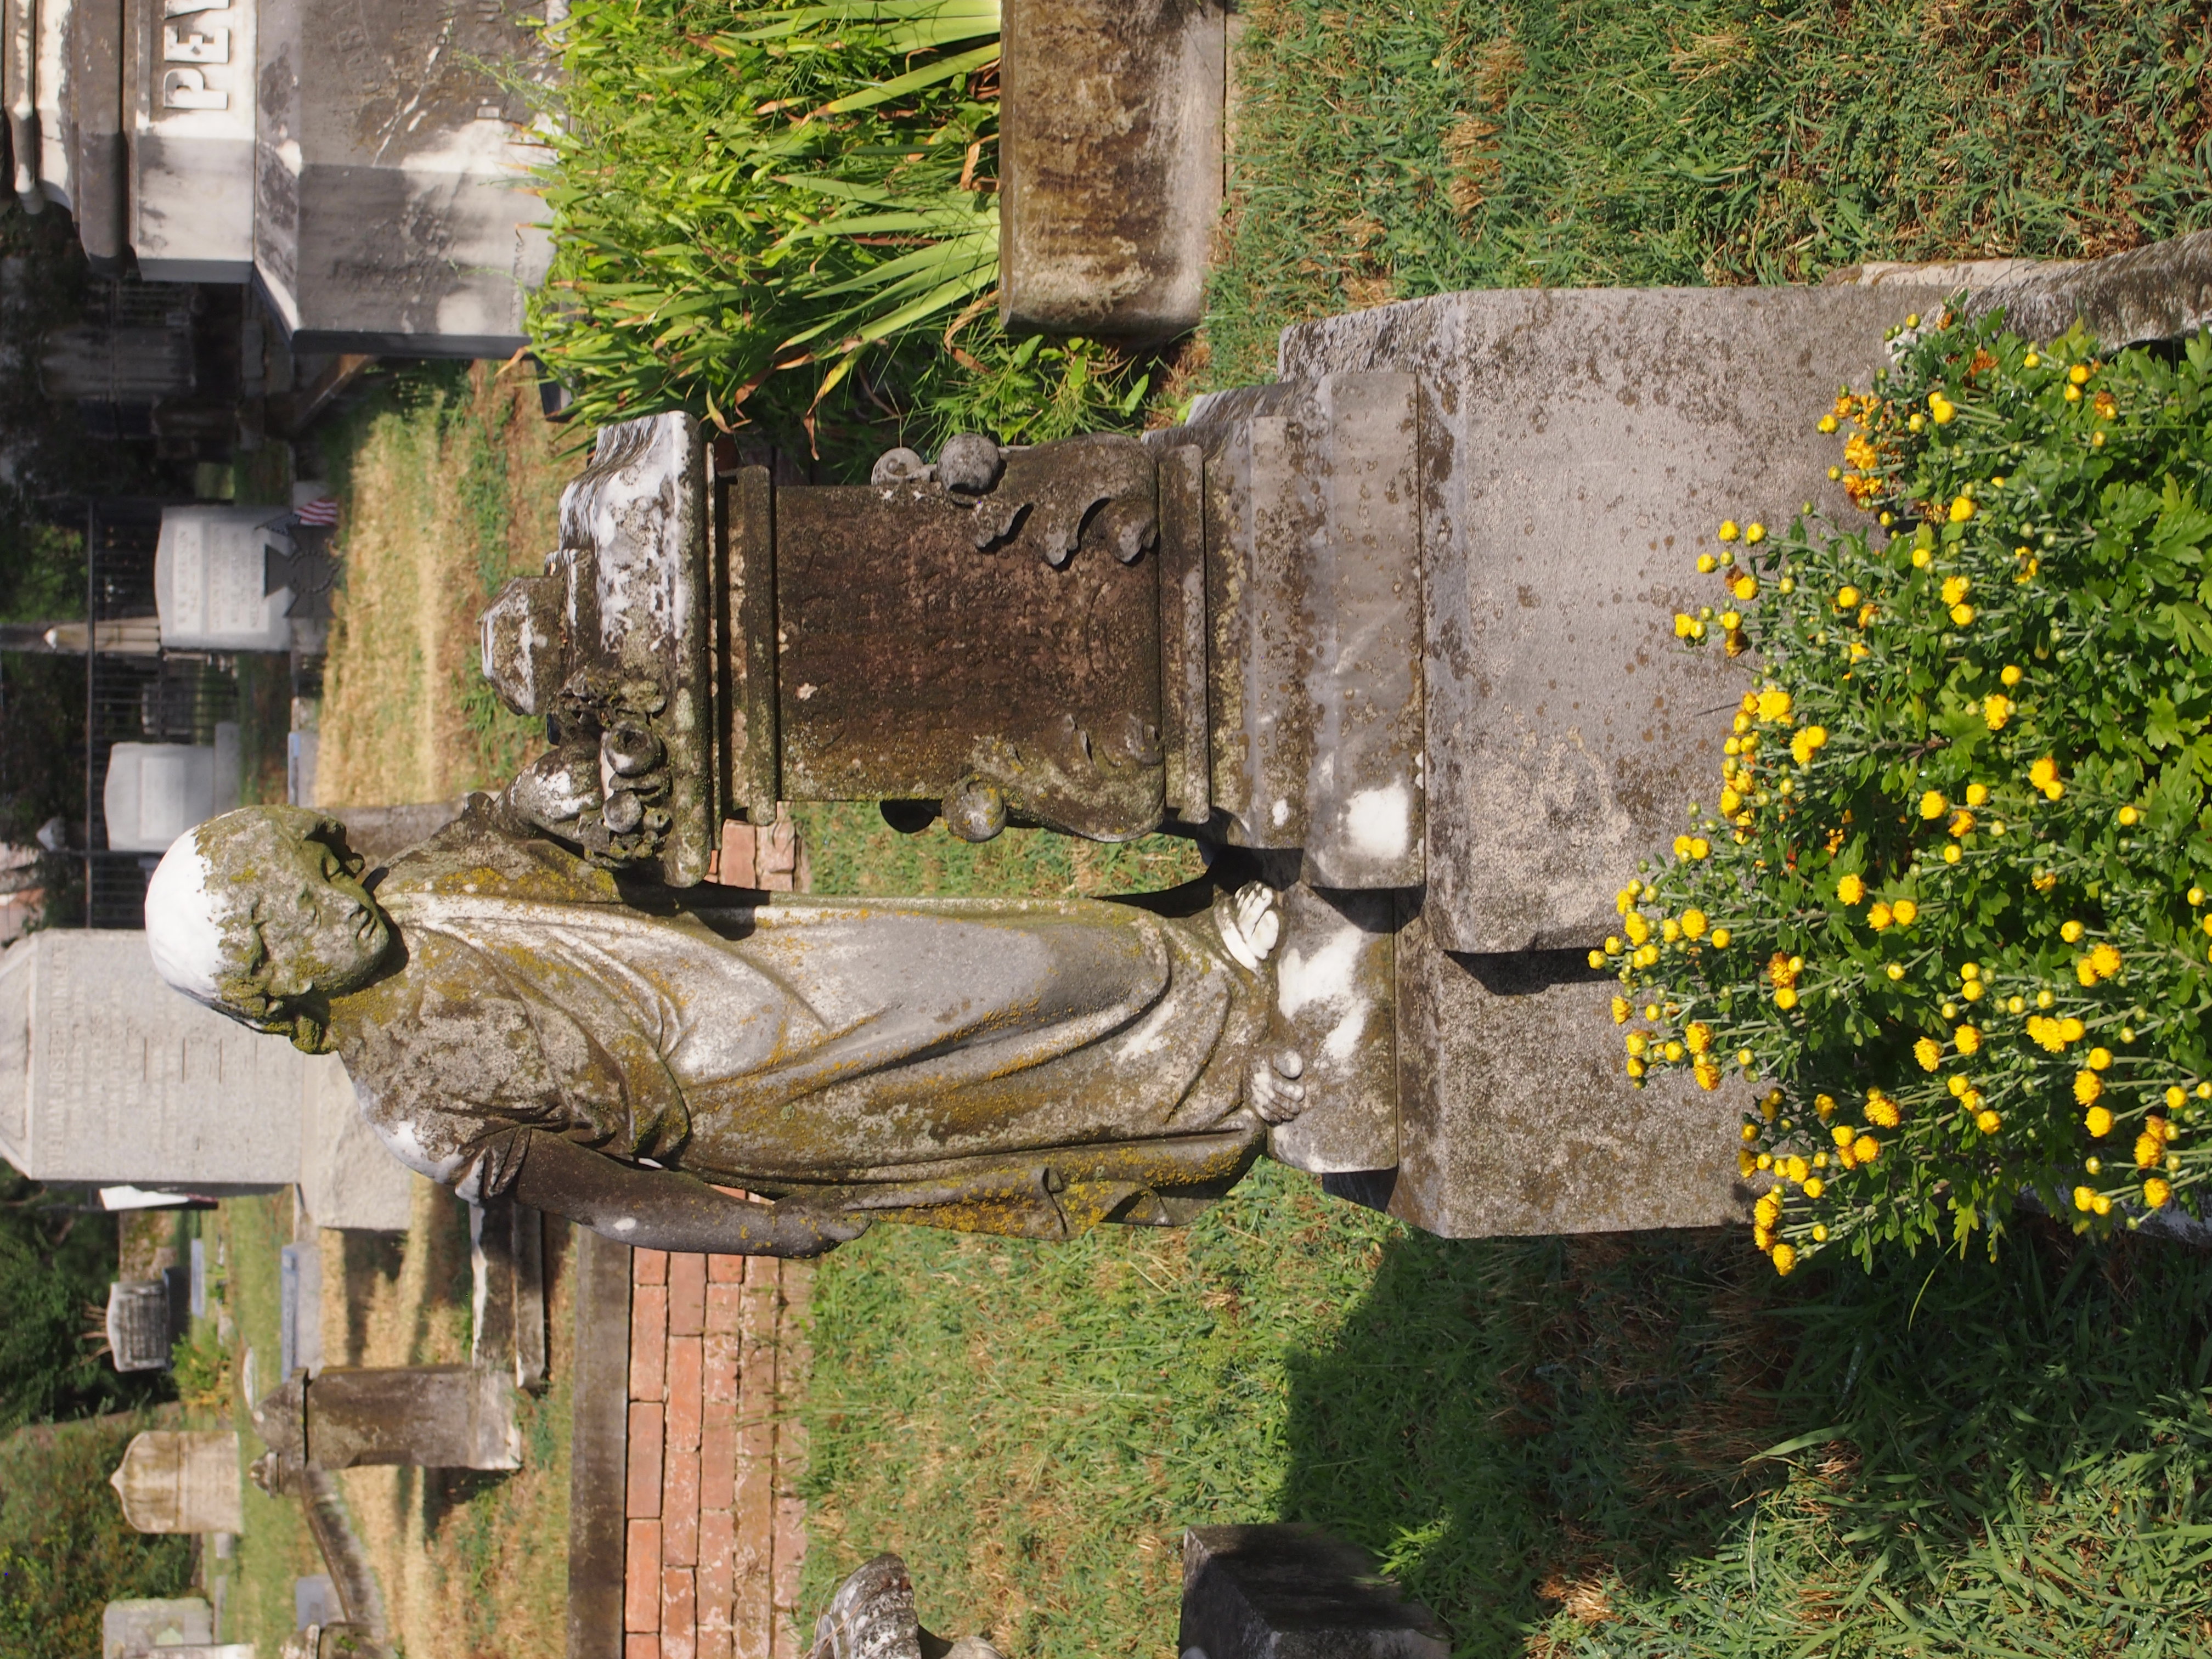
x: 790, y: 213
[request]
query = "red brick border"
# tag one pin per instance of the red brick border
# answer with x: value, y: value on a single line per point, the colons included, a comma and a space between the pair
x: 715, y: 1534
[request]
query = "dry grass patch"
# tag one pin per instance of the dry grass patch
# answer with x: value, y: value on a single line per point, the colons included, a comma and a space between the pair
x: 450, y: 482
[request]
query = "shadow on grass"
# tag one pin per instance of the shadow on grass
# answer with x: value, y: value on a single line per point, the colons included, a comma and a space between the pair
x: 1517, y: 1425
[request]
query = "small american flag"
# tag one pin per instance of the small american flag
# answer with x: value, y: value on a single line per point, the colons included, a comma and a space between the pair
x: 323, y: 510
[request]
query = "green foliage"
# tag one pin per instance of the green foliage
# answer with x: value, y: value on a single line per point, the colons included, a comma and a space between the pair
x: 41, y: 566
x: 1692, y: 1456
x: 751, y: 203
x: 64, y: 1549
x: 1958, y: 861
x: 55, y: 1268
x: 199, y: 1366
x: 1395, y: 152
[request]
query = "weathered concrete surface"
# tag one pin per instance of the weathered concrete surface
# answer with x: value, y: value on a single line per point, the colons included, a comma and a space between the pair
x: 386, y: 218
x: 1516, y: 1116
x: 1591, y: 441
x: 1110, y: 150
x: 1289, y: 1591
x: 2156, y: 293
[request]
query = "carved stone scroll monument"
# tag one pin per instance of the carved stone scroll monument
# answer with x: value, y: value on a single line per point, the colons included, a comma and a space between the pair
x: 1392, y: 635
x: 181, y: 1481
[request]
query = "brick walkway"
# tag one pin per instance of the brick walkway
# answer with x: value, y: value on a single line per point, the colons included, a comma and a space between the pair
x: 714, y: 1533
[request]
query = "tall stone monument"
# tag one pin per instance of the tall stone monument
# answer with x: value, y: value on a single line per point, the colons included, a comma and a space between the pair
x: 360, y: 164
x: 106, y: 1077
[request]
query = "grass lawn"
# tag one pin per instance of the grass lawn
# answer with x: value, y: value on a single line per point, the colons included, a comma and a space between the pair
x: 449, y: 481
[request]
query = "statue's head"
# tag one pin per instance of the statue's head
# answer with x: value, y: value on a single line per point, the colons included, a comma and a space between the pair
x: 261, y: 914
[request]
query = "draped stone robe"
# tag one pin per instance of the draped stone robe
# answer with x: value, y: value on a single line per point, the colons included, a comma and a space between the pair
x: 1019, y: 1066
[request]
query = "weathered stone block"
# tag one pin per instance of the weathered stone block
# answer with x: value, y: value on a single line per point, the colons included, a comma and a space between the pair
x: 181, y: 1481
x: 1589, y: 442
x: 387, y: 216
x: 1294, y: 1592
x: 1111, y: 160
x: 1516, y: 1116
x: 188, y: 109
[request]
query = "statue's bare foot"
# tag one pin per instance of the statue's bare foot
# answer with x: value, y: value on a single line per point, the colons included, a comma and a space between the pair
x: 1251, y: 923
x: 1276, y: 1095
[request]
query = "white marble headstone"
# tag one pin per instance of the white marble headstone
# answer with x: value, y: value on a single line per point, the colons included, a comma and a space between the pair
x: 208, y: 570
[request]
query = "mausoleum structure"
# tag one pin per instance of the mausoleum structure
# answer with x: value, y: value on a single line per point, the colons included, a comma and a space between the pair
x: 358, y: 165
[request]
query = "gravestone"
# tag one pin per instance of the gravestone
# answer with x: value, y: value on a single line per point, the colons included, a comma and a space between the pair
x: 358, y: 164
x: 211, y: 570
x: 300, y: 1307
x: 129, y: 1629
x: 107, y: 1076
x: 189, y: 86
x: 141, y: 1324
x: 440, y: 1417
x: 155, y: 792
x: 1294, y: 1592
x: 386, y: 214
x: 181, y: 1481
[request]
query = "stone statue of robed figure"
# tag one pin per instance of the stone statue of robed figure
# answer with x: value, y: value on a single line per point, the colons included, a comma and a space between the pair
x: 518, y: 1021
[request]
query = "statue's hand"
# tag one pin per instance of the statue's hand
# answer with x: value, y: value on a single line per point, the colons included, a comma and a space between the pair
x: 801, y: 1231
x: 1276, y: 1095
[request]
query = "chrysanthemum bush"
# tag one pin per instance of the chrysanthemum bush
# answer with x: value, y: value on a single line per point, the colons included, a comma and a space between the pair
x: 1945, y: 925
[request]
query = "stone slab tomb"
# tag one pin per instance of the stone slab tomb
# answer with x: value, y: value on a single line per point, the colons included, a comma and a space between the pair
x: 1395, y: 627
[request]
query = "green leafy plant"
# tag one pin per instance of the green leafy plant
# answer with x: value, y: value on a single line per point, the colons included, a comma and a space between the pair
x: 1947, y: 922
x: 200, y: 1365
x: 756, y: 209
x: 65, y: 1550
